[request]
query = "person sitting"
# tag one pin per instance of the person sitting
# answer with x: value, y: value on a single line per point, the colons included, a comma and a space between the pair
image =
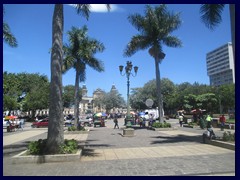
x: 210, y: 130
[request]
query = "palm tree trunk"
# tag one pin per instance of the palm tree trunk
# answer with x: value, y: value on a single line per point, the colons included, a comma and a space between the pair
x: 55, y: 128
x: 76, y: 101
x: 159, y: 94
x: 232, y: 19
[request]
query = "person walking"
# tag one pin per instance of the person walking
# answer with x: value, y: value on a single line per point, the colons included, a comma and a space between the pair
x: 116, y: 122
x: 181, y: 120
x: 209, y: 121
x: 222, y: 120
x: 21, y: 124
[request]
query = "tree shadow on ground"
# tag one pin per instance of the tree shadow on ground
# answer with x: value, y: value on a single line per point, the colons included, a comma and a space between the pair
x: 177, y: 139
x: 89, y: 152
x: 14, y: 148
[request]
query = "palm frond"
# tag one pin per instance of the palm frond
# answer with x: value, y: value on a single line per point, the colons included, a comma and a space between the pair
x: 154, y: 27
x: 211, y: 14
x: 83, y: 9
x: 68, y: 63
x: 137, y: 42
x: 8, y: 37
x: 172, y: 41
x: 95, y: 63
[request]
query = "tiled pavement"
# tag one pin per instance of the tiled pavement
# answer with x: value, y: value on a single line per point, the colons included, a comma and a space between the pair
x: 107, y: 153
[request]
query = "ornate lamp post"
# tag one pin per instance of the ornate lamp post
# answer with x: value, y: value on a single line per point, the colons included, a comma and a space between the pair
x: 128, y: 72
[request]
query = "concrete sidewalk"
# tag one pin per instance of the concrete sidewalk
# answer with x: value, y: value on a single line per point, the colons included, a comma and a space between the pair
x: 149, y: 153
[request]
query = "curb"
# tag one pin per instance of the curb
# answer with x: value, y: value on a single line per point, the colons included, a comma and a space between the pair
x: 222, y: 144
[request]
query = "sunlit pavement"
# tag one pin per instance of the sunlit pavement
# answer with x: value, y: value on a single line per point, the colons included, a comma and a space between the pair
x: 108, y: 153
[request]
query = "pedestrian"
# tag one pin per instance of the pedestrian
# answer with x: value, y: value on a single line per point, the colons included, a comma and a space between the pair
x: 116, y: 122
x: 222, y: 120
x: 21, y: 124
x: 181, y: 120
x: 150, y: 121
x: 141, y: 122
x: 209, y: 121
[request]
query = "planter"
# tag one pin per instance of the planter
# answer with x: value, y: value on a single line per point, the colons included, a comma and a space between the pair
x: 128, y: 132
x: 22, y: 158
x: 76, y: 132
x: 219, y: 143
x: 189, y: 126
x: 164, y: 129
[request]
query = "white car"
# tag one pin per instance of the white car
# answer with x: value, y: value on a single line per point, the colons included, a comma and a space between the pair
x: 69, y: 122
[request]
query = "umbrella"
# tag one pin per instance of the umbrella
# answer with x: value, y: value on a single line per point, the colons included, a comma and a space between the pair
x: 11, y: 117
x: 100, y: 114
x: 133, y: 113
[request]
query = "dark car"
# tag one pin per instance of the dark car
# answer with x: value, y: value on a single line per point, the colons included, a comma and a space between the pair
x: 40, y: 123
x: 99, y: 121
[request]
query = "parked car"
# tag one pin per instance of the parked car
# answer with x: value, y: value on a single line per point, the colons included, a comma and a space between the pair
x: 99, y: 121
x: 68, y: 122
x: 40, y: 123
x: 88, y: 121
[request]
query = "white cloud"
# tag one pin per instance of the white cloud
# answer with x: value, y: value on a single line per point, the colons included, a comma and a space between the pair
x: 101, y: 8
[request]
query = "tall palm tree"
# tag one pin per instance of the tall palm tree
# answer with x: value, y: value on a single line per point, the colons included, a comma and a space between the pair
x: 78, y: 54
x: 55, y: 129
x: 211, y: 17
x: 155, y: 30
x: 8, y: 37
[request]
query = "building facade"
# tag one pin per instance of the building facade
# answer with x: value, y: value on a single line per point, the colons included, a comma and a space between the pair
x: 220, y: 65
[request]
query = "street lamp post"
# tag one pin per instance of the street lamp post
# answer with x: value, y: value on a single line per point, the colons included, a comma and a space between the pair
x: 128, y: 69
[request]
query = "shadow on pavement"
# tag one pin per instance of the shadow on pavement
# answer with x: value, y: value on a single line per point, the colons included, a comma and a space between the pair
x: 176, y: 139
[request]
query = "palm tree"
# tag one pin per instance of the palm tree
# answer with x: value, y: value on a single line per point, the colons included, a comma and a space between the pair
x: 78, y: 54
x: 8, y: 37
x: 155, y: 28
x: 55, y: 129
x: 211, y: 17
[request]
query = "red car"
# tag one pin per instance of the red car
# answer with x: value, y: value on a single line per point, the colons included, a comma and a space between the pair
x: 40, y: 123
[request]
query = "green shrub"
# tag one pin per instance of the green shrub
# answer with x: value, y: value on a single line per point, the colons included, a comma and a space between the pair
x: 202, y: 123
x: 38, y: 147
x: 192, y: 124
x: 74, y: 128
x: 228, y: 136
x: 161, y: 125
x: 69, y: 146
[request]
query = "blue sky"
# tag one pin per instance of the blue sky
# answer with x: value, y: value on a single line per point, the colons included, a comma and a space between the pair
x: 32, y: 26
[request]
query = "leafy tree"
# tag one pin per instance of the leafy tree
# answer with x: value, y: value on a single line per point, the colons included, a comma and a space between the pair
x: 155, y: 29
x: 8, y: 37
x: 37, y: 99
x: 55, y: 129
x: 226, y: 96
x: 68, y: 96
x: 78, y: 54
x: 113, y: 100
x: 190, y: 102
x: 110, y: 100
x: 20, y: 91
x: 207, y: 101
x: 148, y: 91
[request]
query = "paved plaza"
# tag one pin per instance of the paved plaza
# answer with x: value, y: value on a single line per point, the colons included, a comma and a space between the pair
x: 107, y: 153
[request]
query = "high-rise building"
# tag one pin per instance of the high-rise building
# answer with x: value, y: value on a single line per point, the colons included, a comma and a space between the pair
x: 220, y: 65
